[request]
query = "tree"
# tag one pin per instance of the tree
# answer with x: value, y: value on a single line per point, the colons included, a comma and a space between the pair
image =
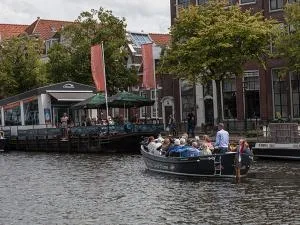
x: 20, y: 65
x: 71, y: 60
x: 288, y: 39
x: 213, y: 41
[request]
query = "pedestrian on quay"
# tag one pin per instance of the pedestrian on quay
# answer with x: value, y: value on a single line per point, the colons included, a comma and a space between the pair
x: 191, y: 123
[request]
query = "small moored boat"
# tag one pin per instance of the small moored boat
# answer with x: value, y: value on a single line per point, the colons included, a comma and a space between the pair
x: 216, y: 165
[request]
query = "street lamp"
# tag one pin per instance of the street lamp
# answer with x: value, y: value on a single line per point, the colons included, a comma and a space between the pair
x: 245, y: 86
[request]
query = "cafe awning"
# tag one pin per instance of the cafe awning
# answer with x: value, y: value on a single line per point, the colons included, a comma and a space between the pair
x: 71, y: 96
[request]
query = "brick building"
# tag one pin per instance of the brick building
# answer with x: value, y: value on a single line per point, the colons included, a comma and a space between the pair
x: 262, y: 95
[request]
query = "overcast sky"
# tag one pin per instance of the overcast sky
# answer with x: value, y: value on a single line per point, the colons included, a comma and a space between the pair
x: 141, y: 15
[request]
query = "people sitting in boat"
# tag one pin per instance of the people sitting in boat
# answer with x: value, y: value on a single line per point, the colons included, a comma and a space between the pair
x: 205, y: 150
x: 165, y: 146
x: 189, y: 151
x: 183, y: 141
x: 207, y: 142
x: 174, y: 149
x: 152, y: 146
x: 185, y: 136
x: 195, y: 144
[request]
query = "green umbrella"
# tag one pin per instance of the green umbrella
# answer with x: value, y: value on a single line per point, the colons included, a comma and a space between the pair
x: 128, y: 100
x: 95, y: 102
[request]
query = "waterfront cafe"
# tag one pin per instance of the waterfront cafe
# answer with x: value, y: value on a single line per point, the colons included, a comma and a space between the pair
x: 44, y: 106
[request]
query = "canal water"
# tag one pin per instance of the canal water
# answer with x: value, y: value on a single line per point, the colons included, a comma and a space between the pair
x: 40, y: 188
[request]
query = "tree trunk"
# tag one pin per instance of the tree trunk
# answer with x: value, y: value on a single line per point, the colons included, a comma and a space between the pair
x: 219, y: 102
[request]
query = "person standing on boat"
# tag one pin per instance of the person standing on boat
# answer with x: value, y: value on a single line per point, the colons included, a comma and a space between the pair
x: 222, y: 139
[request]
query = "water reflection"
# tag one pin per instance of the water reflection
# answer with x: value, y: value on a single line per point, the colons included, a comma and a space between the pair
x: 38, y: 188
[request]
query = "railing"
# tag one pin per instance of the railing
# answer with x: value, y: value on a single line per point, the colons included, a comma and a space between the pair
x: 31, y: 132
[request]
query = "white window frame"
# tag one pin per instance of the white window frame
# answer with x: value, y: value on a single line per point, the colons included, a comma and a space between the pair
x: 273, y: 101
x: 143, y: 109
x: 247, y: 3
x: 276, y: 10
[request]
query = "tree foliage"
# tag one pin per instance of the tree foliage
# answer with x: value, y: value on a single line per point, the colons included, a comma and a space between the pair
x: 287, y: 43
x: 213, y: 41
x: 71, y: 60
x: 20, y: 65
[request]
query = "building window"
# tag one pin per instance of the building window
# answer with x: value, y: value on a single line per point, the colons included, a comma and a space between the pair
x: 12, y: 114
x: 31, y: 112
x: 280, y: 94
x: 154, y: 109
x: 200, y: 2
x: 187, y: 99
x: 276, y: 4
x: 251, y: 88
x: 1, y: 117
x: 229, y: 98
x: 247, y: 2
x: 295, y: 85
x: 143, y: 109
x: 183, y: 3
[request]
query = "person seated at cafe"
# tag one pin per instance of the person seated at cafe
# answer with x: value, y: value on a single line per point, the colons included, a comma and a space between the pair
x: 110, y: 120
x: 88, y: 121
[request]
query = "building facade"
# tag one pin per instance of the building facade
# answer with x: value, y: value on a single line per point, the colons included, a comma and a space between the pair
x: 261, y: 94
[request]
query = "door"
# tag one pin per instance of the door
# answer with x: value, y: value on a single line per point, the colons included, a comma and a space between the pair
x: 209, y: 111
x: 168, y: 112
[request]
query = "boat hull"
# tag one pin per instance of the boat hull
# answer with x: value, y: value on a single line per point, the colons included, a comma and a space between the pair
x: 203, y: 166
x: 278, y: 151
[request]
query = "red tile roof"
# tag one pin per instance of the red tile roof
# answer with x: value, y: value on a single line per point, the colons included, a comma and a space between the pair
x: 160, y: 39
x: 11, y: 30
x: 46, y: 29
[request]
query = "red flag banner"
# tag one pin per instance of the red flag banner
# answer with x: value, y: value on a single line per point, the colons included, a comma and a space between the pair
x: 148, y: 66
x: 98, y: 67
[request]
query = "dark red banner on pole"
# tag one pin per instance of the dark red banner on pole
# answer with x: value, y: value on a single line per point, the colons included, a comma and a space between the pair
x: 98, y: 67
x: 148, y: 66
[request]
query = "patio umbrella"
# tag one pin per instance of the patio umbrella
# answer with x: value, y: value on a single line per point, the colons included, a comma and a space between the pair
x: 95, y: 102
x: 128, y: 100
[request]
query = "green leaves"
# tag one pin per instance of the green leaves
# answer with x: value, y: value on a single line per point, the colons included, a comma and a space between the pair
x: 72, y: 60
x: 20, y: 65
x: 288, y: 37
x: 213, y: 41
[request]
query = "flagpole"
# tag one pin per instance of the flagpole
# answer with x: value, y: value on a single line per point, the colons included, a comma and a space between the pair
x: 106, y: 102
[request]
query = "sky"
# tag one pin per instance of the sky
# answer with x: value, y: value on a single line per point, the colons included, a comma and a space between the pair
x: 149, y: 16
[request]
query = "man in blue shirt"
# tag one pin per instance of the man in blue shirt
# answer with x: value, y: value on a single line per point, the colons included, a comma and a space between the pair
x: 222, y: 139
